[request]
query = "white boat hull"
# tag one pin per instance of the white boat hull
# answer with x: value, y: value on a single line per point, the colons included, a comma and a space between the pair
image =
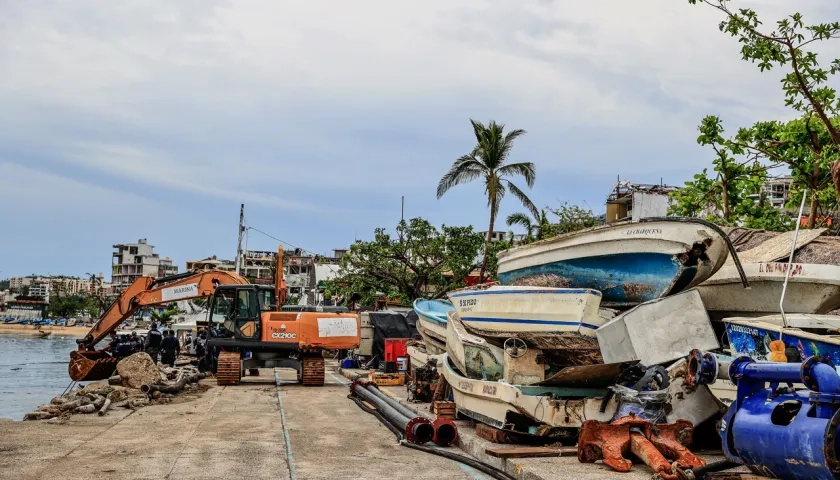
x: 491, y: 402
x: 502, y: 311
x: 432, y: 337
x: 629, y: 262
x: 812, y: 288
x: 471, y: 354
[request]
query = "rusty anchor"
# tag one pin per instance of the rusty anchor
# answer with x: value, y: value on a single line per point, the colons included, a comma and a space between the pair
x: 652, y: 444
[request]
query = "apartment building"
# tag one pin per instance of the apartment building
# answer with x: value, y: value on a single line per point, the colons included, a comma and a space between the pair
x: 775, y: 191
x: 130, y: 261
x: 210, y: 263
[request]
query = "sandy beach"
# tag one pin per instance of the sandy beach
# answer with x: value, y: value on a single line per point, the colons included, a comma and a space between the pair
x: 36, y: 329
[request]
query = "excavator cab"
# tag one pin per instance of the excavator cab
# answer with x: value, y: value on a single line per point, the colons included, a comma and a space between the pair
x: 238, y: 309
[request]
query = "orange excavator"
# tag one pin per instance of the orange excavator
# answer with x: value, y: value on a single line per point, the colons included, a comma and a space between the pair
x: 254, y: 332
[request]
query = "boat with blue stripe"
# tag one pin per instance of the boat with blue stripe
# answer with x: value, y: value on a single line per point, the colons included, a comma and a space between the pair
x: 628, y: 262
x: 431, y: 323
x: 541, y: 316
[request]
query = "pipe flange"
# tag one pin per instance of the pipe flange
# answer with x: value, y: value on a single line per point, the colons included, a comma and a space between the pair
x: 410, y: 430
x: 807, y: 366
x: 446, y: 432
x: 831, y: 439
x: 356, y: 384
x: 737, y: 366
x: 702, y: 368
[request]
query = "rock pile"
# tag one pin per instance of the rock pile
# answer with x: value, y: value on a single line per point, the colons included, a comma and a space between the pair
x: 139, y: 383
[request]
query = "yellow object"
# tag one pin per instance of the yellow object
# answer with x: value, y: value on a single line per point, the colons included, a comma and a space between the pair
x: 387, y: 379
x: 777, y: 351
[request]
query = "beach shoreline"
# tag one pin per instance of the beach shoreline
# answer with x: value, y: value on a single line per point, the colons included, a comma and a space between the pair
x: 37, y: 329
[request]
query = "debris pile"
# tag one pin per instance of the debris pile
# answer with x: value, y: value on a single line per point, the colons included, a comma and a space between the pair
x: 138, y: 383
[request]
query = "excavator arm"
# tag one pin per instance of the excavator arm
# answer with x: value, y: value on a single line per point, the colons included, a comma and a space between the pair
x: 90, y: 364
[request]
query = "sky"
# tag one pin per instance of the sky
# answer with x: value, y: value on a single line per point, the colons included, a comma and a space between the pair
x: 157, y: 119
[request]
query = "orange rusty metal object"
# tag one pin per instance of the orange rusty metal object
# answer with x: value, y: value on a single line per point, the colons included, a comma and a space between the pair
x: 89, y: 365
x: 652, y: 444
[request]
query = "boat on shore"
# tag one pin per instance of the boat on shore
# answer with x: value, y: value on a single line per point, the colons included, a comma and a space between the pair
x: 528, y: 312
x: 431, y: 323
x: 752, y: 336
x: 812, y: 288
x: 471, y: 354
x: 628, y: 262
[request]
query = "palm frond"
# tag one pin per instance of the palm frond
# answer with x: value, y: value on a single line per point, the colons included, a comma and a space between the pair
x: 527, y: 170
x: 521, y: 219
x: 526, y: 202
x: 494, y: 187
x: 463, y: 170
x: 507, y: 142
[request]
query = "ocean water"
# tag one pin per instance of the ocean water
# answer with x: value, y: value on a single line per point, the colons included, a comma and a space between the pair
x: 32, y: 372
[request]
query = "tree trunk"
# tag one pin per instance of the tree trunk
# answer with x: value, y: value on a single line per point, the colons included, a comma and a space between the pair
x: 812, y: 216
x: 726, y: 211
x: 487, y: 239
x: 835, y: 174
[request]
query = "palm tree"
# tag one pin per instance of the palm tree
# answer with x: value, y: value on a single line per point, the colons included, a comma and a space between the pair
x: 536, y: 228
x: 489, y: 161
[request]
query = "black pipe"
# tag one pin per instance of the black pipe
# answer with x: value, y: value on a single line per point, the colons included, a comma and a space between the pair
x: 480, y: 466
x: 700, y: 472
x: 417, y: 429
x: 390, y: 401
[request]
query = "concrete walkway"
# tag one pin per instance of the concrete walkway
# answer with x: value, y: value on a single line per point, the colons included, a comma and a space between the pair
x: 229, y: 432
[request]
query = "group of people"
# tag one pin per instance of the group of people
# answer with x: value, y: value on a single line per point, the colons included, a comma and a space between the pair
x: 163, y: 344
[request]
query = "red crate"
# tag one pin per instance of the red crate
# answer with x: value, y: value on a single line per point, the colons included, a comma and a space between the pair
x: 395, y: 347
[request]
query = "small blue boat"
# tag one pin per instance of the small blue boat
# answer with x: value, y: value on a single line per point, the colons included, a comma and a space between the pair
x: 431, y: 323
x: 752, y: 337
x: 628, y: 262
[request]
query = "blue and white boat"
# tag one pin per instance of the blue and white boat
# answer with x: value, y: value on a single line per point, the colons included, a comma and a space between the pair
x: 431, y: 323
x: 629, y: 262
x: 549, y: 318
x: 752, y: 336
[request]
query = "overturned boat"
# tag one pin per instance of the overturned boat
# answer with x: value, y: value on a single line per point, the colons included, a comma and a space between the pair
x: 812, y: 289
x: 628, y: 262
x: 431, y: 323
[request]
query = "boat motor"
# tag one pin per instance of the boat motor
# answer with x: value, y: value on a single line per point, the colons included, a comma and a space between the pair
x: 777, y: 431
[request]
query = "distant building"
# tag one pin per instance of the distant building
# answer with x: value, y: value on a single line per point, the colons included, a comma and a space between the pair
x: 131, y: 261
x: 210, y: 263
x: 634, y: 201
x: 497, y: 236
x: 775, y: 191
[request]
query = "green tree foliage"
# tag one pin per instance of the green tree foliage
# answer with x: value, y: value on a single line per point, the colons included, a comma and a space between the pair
x: 165, y: 317
x: 571, y: 218
x: 536, y: 228
x: 809, y: 145
x: 5, y: 284
x: 488, y: 161
x: 65, y: 306
x: 420, y: 261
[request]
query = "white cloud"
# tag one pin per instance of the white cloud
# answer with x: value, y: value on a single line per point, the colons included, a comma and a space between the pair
x: 179, y: 94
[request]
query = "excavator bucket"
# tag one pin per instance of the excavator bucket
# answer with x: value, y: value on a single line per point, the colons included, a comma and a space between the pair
x: 89, y: 365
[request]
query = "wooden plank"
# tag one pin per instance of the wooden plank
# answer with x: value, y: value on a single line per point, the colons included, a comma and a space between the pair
x: 529, y: 452
x: 777, y: 247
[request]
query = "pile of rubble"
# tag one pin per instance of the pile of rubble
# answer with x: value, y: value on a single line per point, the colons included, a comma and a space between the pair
x: 139, y: 382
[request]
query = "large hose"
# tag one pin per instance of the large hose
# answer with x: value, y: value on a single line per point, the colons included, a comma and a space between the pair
x: 480, y: 466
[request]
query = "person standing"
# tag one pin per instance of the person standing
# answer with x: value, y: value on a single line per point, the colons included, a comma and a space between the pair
x: 200, y: 345
x: 169, y: 348
x: 153, y: 341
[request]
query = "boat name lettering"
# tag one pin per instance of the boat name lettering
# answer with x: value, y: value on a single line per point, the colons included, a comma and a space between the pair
x: 644, y: 231
x: 467, y: 302
x: 741, y: 329
x: 465, y: 386
x: 489, y: 389
x: 795, y: 269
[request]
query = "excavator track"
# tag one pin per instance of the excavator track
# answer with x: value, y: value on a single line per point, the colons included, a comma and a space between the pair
x: 228, y: 369
x: 312, y: 367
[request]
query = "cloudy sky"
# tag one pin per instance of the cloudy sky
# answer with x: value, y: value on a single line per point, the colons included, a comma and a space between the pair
x: 138, y: 119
